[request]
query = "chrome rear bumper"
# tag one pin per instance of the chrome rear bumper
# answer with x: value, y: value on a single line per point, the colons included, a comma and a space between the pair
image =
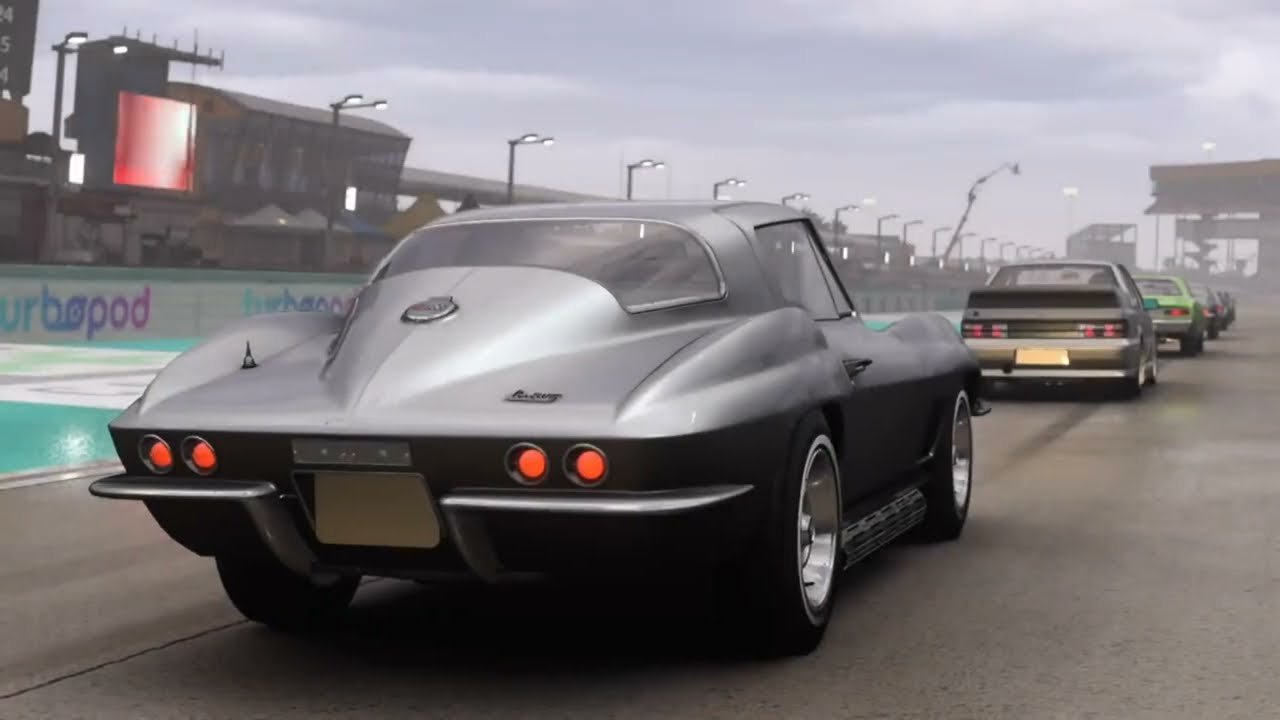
x: 462, y: 510
x: 1092, y: 358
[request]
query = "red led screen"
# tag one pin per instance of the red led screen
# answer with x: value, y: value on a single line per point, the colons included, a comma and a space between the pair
x: 155, y: 142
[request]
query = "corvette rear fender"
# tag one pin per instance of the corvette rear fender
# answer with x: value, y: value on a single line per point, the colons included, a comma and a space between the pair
x: 751, y: 369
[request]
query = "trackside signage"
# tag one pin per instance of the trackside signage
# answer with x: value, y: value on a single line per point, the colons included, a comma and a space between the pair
x: 67, y: 311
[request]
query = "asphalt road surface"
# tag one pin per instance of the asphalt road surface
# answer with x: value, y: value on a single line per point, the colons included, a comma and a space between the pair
x: 1120, y: 562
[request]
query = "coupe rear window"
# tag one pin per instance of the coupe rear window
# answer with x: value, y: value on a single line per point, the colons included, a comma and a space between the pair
x: 1158, y: 286
x: 644, y: 264
x: 1056, y: 274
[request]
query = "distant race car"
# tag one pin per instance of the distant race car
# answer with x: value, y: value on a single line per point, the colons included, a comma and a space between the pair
x: 1053, y: 322
x: 1175, y: 312
x: 590, y: 390
x: 1214, y: 310
x: 1229, y: 300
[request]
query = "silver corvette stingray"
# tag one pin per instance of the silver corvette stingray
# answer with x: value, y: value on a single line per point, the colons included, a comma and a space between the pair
x: 607, y: 389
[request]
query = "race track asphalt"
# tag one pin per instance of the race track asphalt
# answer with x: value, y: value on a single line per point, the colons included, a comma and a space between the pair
x: 1120, y: 562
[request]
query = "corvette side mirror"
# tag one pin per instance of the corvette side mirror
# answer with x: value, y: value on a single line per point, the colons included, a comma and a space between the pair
x: 1150, y: 304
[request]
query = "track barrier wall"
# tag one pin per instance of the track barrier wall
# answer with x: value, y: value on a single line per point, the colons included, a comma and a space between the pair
x: 86, y: 305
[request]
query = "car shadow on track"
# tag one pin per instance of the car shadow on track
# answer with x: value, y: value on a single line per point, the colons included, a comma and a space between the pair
x: 401, y: 633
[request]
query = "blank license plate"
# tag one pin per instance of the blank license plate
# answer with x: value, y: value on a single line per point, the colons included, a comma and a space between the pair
x: 1036, y: 356
x: 375, y: 510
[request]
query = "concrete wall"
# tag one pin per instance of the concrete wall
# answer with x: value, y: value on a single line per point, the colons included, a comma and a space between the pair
x: 52, y: 304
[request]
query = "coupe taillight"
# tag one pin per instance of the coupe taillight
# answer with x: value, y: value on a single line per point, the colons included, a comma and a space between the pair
x: 1102, y: 330
x: 1176, y: 312
x: 155, y: 454
x: 984, y: 330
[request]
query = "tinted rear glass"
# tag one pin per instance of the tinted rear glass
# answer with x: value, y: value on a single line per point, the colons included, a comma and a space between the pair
x: 1158, y: 286
x: 1056, y: 274
x: 644, y: 264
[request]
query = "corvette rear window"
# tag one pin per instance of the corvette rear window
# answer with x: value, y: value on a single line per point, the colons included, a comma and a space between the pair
x: 1158, y: 286
x: 1055, y: 274
x: 645, y: 265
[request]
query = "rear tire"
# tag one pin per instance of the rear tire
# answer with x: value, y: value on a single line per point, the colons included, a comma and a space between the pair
x: 1190, y: 345
x: 949, y: 487
x: 780, y: 594
x: 1213, y: 331
x: 267, y: 592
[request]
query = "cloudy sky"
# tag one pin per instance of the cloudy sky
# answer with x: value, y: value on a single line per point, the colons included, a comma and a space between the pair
x: 906, y: 101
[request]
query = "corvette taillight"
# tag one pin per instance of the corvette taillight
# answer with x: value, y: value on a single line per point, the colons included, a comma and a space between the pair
x: 198, y: 454
x: 527, y: 464
x: 155, y: 454
x: 586, y: 465
x: 981, y: 330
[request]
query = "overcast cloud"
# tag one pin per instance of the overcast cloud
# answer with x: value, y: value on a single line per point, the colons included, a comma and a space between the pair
x: 906, y: 101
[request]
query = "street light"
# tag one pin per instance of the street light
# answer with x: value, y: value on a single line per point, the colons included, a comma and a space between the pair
x: 1208, y: 146
x: 730, y: 182
x: 835, y: 219
x: 642, y: 165
x: 879, y: 236
x: 350, y: 102
x: 70, y: 43
x: 526, y: 139
x: 936, y: 233
x: 906, y: 226
x: 119, y: 48
x: 1012, y: 167
x: 794, y: 196
x: 959, y: 240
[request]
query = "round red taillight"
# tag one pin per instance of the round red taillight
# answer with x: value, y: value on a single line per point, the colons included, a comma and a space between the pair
x: 527, y: 464
x: 155, y: 454
x: 199, y: 455
x: 586, y: 465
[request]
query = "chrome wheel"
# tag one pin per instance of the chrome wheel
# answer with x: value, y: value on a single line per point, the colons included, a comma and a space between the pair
x: 818, y: 525
x: 961, y: 453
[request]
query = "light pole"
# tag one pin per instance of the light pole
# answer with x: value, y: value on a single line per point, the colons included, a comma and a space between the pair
x: 835, y: 220
x: 907, y: 226
x: 1208, y: 146
x: 794, y: 196
x: 879, y: 233
x: 959, y: 241
x: 936, y: 233
x: 526, y: 139
x: 69, y: 44
x: 1013, y: 168
x: 354, y: 101
x: 642, y: 165
x: 729, y: 182
x: 1071, y: 193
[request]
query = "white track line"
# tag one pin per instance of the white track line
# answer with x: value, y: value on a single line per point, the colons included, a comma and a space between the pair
x: 66, y: 473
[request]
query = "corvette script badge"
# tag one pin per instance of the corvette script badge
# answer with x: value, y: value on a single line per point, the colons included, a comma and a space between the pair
x: 430, y: 310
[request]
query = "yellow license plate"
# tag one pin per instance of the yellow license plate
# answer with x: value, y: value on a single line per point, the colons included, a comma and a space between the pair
x: 1037, y: 356
x: 375, y: 510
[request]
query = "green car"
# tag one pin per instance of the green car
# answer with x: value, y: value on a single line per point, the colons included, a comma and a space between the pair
x: 1176, y: 313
